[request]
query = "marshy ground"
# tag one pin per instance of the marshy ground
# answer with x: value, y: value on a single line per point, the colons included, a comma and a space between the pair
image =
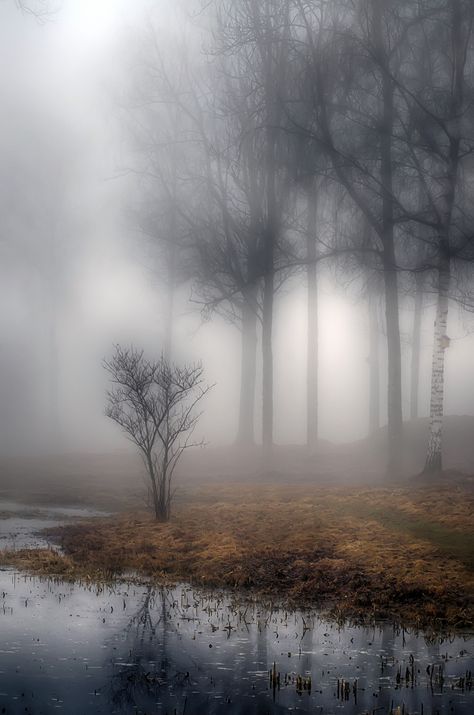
x: 402, y: 553
x: 250, y: 599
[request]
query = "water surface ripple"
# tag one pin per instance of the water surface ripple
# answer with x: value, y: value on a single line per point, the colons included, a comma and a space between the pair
x: 138, y: 649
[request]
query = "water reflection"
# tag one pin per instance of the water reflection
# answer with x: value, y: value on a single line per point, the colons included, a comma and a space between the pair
x: 22, y: 525
x: 137, y: 649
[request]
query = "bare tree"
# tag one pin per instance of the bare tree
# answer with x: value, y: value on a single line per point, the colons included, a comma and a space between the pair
x: 162, y: 144
x: 349, y: 94
x: 391, y: 95
x: 217, y: 183
x: 258, y: 34
x: 200, y: 177
x: 439, y: 104
x: 154, y: 402
x: 42, y: 10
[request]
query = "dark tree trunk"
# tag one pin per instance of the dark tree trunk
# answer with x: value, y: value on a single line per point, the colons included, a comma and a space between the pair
x: 269, y: 241
x: 246, y: 430
x: 53, y: 299
x: 160, y: 503
x: 53, y: 375
x: 415, y: 347
x: 154, y: 487
x: 374, y: 366
x: 171, y: 264
x: 394, y: 396
x: 271, y: 33
x: 394, y: 401
x: 312, y: 354
x: 169, y: 308
x: 267, y: 363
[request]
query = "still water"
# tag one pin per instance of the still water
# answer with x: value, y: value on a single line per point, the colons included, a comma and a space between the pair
x: 22, y: 526
x: 81, y: 649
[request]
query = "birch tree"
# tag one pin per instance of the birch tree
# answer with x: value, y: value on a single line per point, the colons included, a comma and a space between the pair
x: 439, y: 98
x: 460, y: 17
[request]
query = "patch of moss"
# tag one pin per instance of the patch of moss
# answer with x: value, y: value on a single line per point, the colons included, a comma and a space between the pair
x: 452, y: 542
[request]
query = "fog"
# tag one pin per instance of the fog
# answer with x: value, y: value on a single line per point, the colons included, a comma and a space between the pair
x: 236, y: 356
x: 77, y: 276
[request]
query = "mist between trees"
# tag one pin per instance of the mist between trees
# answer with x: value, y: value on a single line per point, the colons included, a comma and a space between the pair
x: 294, y: 138
x: 268, y: 145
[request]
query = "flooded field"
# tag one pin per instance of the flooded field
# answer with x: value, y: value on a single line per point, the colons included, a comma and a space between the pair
x: 137, y: 649
x: 21, y: 525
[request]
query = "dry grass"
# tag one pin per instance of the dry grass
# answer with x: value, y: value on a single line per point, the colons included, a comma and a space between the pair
x: 399, y: 553
x: 41, y: 562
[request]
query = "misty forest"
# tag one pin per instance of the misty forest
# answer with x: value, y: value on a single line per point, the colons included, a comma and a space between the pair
x: 237, y: 357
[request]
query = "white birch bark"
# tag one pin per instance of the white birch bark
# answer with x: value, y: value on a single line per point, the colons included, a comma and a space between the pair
x: 434, y: 461
x: 460, y: 35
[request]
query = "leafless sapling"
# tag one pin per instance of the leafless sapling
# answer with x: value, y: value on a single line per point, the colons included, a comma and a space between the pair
x: 155, y: 404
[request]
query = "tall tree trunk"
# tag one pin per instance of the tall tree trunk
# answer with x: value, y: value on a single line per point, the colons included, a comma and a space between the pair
x: 269, y: 45
x: 394, y: 397
x: 312, y: 332
x: 267, y: 363
x: 154, y: 487
x: 434, y: 462
x: 269, y: 241
x: 171, y: 254
x: 415, y: 347
x: 394, y: 401
x: 53, y: 298
x: 53, y: 373
x: 246, y: 430
x: 169, y: 309
x: 374, y: 366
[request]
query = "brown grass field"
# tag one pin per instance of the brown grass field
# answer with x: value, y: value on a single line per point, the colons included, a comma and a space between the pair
x: 404, y: 553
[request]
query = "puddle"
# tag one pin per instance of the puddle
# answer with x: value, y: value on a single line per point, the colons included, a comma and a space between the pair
x: 132, y: 649
x: 138, y: 649
x: 51, y: 512
x: 21, y: 524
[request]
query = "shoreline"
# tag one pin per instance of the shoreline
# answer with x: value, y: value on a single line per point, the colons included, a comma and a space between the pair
x: 49, y: 564
x: 403, y: 555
